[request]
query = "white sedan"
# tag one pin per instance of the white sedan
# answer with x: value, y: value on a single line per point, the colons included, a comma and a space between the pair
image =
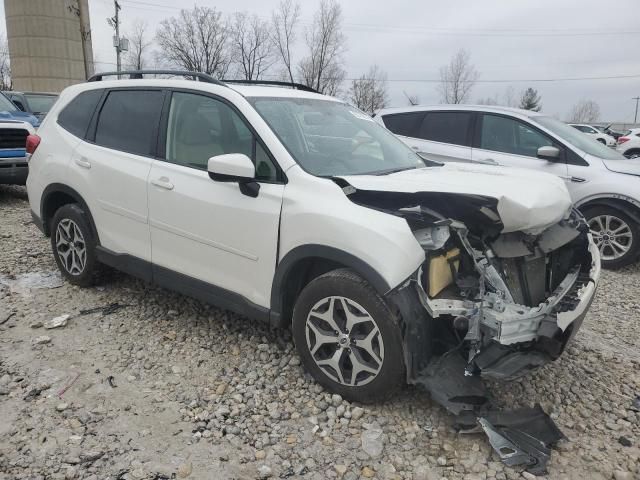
x: 629, y: 143
x: 593, y: 132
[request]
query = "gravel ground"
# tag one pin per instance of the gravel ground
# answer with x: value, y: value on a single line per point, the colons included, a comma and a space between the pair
x: 167, y: 387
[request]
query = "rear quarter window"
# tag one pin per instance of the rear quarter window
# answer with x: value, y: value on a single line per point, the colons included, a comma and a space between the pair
x: 405, y: 124
x: 75, y: 117
x: 447, y: 127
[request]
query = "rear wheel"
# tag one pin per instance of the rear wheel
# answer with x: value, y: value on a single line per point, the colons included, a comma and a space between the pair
x: 348, y: 338
x: 632, y: 154
x: 616, y: 235
x: 602, y: 141
x: 73, y: 245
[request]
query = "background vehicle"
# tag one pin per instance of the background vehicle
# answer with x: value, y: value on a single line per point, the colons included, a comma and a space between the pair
x: 9, y: 111
x: 610, y: 131
x: 593, y: 132
x: 13, y: 158
x: 629, y: 143
x: 297, y: 209
x: 602, y: 183
x: 35, y: 103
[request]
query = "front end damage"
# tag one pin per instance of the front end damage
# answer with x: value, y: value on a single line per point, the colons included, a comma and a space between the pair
x: 486, y: 303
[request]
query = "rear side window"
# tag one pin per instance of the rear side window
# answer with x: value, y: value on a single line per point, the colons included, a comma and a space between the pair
x: 129, y: 121
x: 446, y: 127
x: 405, y: 124
x: 75, y: 117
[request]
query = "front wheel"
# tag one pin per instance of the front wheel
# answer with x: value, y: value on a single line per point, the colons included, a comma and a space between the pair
x: 347, y: 337
x: 616, y: 235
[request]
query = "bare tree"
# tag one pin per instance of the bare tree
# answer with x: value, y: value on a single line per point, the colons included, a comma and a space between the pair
x: 412, y: 99
x: 284, y: 23
x: 585, y: 111
x: 369, y: 92
x: 196, y: 40
x: 5, y: 66
x: 322, y: 69
x: 139, y: 45
x: 509, y: 98
x: 251, y: 49
x: 489, y: 100
x: 458, y: 78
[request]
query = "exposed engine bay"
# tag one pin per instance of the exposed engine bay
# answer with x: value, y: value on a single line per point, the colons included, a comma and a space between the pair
x: 501, y: 304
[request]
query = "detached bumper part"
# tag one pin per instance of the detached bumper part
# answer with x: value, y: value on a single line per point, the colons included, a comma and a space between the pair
x: 522, y: 437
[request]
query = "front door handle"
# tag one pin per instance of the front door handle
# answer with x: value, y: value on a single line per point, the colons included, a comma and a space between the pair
x: 83, y: 162
x: 163, y: 182
x: 486, y: 161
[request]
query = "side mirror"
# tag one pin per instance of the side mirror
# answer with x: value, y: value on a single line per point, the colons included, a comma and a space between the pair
x: 235, y: 167
x: 549, y: 153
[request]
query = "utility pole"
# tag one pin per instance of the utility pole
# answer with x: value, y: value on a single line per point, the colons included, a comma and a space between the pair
x: 117, y: 41
x: 635, y: 118
x: 85, y: 34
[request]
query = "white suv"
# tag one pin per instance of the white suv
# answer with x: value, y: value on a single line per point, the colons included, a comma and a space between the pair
x: 603, y: 184
x: 297, y: 209
x: 594, y: 133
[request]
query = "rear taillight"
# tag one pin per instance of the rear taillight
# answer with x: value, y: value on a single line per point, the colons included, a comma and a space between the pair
x: 32, y: 143
x: 621, y: 140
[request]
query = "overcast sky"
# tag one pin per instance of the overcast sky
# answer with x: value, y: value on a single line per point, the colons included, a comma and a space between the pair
x: 512, y: 43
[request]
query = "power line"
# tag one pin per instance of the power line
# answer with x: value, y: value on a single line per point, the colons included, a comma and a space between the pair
x: 494, y: 32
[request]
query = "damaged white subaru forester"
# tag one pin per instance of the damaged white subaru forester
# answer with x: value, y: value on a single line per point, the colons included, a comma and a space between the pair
x: 295, y: 208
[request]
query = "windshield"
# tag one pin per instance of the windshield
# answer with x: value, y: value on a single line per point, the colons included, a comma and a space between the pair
x: 40, y: 103
x: 6, y: 105
x: 578, y: 139
x: 329, y: 138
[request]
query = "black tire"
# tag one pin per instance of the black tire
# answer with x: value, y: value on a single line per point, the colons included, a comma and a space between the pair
x: 346, y: 283
x: 632, y: 154
x: 631, y: 256
x: 602, y: 141
x: 74, y: 213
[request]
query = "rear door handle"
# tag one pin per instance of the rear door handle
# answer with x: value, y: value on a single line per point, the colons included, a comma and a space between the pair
x: 83, y: 162
x: 162, y: 182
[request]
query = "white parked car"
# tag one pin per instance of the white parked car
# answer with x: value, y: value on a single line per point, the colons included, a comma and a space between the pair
x: 603, y: 184
x: 593, y: 132
x: 299, y: 210
x: 629, y: 143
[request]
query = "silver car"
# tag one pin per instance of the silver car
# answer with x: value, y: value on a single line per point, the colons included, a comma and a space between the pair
x: 603, y: 184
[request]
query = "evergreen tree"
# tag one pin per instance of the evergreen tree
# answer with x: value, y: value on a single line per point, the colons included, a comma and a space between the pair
x: 530, y: 100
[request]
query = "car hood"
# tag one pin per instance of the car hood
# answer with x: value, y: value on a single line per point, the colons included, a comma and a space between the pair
x: 630, y: 166
x: 22, y: 116
x: 527, y: 200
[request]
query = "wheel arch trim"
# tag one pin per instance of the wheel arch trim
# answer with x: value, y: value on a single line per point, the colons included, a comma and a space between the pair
x: 303, y: 252
x: 54, y: 188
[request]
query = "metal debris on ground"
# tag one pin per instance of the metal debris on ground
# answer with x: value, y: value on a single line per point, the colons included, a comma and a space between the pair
x: 111, y: 380
x: 56, y: 322
x: 4, y: 317
x: 68, y: 385
x: 522, y: 437
x: 105, y: 310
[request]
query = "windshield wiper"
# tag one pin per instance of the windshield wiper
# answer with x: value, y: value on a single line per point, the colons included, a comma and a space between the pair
x: 393, y: 170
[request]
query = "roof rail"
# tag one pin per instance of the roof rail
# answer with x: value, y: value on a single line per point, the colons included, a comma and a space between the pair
x: 137, y: 74
x: 296, y: 86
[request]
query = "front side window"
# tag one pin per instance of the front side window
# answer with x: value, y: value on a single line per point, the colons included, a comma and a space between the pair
x: 328, y: 138
x: 201, y: 127
x: 75, y: 117
x: 40, y: 103
x: 446, y: 127
x: 129, y: 121
x: 507, y: 135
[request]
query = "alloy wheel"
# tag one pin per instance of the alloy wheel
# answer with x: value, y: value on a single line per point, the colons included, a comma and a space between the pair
x: 71, y: 247
x: 344, y: 341
x: 612, y: 236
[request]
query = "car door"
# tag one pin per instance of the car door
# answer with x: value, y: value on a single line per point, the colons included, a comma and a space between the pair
x: 441, y: 136
x: 504, y: 140
x: 114, y: 165
x: 209, y: 235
